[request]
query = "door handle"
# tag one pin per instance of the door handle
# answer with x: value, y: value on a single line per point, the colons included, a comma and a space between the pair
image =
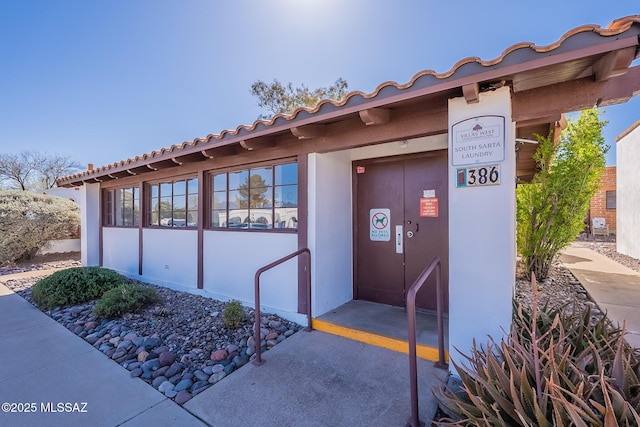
x: 399, y: 240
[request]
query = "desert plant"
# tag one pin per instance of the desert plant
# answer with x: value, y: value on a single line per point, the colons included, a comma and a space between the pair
x: 233, y: 314
x: 74, y: 285
x: 551, y: 209
x: 553, y: 369
x: 126, y: 298
x: 29, y: 220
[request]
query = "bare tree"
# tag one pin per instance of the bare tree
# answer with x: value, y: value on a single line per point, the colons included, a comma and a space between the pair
x: 31, y: 170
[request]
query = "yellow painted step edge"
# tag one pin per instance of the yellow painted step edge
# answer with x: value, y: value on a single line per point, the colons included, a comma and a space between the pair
x: 422, y: 351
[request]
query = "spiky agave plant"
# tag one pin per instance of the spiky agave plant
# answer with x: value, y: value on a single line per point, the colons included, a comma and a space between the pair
x: 553, y: 369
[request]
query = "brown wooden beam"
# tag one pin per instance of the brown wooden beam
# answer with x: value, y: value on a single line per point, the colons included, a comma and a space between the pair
x: 574, y: 96
x: 163, y: 164
x: 614, y: 64
x: 309, y: 131
x: 222, y: 151
x: 375, y: 116
x: 471, y: 93
x: 256, y: 144
x: 191, y: 158
x: 142, y: 169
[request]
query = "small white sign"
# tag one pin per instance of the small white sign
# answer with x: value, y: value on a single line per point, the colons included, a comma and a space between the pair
x: 379, y: 225
x: 428, y: 193
x: 478, y: 140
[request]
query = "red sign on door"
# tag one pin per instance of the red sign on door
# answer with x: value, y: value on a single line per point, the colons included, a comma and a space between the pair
x: 429, y: 206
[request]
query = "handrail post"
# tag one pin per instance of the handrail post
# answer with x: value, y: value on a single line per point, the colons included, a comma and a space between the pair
x: 256, y: 281
x: 414, y: 421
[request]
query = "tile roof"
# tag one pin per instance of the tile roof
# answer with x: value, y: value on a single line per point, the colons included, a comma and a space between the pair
x: 385, y: 93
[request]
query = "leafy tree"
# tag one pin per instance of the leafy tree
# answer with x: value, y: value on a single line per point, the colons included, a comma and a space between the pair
x: 31, y: 170
x: 29, y: 220
x: 252, y: 192
x: 551, y: 209
x: 284, y: 99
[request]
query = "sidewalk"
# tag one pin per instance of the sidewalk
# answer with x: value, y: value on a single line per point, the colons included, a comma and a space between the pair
x: 310, y: 379
x: 614, y: 287
x: 44, y: 365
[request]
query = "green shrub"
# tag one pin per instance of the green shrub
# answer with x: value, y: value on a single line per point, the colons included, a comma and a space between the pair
x: 126, y: 298
x: 233, y: 314
x: 29, y: 220
x: 74, y: 285
x: 559, y: 370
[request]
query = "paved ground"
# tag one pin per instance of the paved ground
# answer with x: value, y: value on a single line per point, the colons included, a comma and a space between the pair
x: 311, y: 379
x: 614, y: 287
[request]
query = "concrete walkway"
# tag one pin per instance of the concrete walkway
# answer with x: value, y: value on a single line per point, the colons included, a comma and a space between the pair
x: 51, y: 377
x: 310, y: 379
x: 614, y: 287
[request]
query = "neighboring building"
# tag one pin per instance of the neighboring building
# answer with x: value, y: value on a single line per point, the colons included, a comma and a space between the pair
x: 375, y: 186
x: 603, y: 203
x: 628, y: 208
x: 72, y: 194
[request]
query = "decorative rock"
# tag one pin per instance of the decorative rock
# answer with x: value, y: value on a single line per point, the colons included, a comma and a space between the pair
x: 250, y: 351
x: 217, y: 368
x: 240, y: 361
x: 142, y: 356
x: 289, y: 332
x: 170, y: 393
x: 199, y: 385
x: 183, y: 385
x: 167, y: 358
x: 138, y: 341
x: 150, y: 365
x: 231, y: 348
x: 187, y: 376
x: 126, y: 345
x: 91, y: 325
x: 274, y: 324
x: 208, y: 369
x: 167, y: 385
x: 160, y: 371
x: 174, y: 369
x: 182, y: 397
x: 219, y: 355
x: 118, y: 354
x: 228, y: 369
x: 271, y: 336
x: 159, y: 380
x: 217, y: 377
x: 201, y: 376
x: 133, y: 365
x: 136, y: 372
x: 151, y: 343
x: 130, y: 336
x: 115, y: 340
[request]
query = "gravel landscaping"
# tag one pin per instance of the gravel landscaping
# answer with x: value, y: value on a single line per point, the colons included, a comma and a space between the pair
x: 181, y: 346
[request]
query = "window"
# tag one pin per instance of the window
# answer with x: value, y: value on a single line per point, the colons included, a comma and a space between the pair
x: 174, y: 203
x: 262, y: 198
x: 611, y: 199
x: 121, y: 207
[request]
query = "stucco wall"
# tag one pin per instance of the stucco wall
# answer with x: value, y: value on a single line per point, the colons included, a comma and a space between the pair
x: 120, y: 249
x: 598, y: 203
x: 231, y: 260
x: 170, y: 257
x: 628, y: 194
x: 90, y: 224
x: 482, y: 249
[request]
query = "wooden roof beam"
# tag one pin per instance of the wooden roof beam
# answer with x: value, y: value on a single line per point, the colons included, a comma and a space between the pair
x: 221, y: 151
x: 375, y: 116
x: 471, y: 93
x: 257, y: 144
x: 613, y: 64
x: 309, y: 131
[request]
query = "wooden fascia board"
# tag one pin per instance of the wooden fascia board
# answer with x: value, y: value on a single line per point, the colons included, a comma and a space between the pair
x: 574, y: 95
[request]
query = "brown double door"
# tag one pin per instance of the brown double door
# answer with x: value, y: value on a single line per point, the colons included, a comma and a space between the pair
x: 401, y: 214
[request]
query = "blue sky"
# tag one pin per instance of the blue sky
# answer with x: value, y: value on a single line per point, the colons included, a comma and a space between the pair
x: 102, y: 81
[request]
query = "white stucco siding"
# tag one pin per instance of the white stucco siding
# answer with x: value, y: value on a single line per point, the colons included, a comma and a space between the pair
x: 628, y: 194
x: 170, y: 257
x: 481, y: 239
x: 120, y: 249
x: 231, y: 260
x: 90, y: 224
x: 330, y: 230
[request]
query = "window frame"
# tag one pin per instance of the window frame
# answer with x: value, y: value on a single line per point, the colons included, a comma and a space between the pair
x: 606, y: 199
x: 248, y: 168
x: 111, y: 210
x: 187, y: 195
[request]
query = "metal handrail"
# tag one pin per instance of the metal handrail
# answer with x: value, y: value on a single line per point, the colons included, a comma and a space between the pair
x: 258, y: 360
x: 414, y: 421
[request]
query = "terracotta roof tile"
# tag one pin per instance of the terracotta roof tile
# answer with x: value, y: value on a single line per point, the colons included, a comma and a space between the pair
x: 616, y: 27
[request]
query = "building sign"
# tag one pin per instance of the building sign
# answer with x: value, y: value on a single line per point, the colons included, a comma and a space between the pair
x: 429, y: 207
x: 478, y: 176
x: 478, y: 140
x: 379, y: 228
